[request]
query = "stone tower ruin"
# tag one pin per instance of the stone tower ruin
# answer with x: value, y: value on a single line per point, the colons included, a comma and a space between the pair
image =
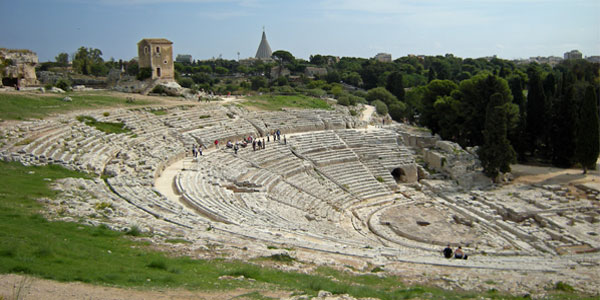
x: 157, y: 54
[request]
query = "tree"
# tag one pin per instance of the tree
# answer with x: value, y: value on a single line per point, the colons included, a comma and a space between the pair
x: 496, y: 154
x: 435, y: 89
x: 474, y: 95
x: 537, y: 110
x: 518, y: 136
x: 333, y: 77
x: 395, y: 85
x: 85, y: 58
x: 382, y: 94
x: 380, y: 107
x: 62, y: 59
x: 352, y: 78
x: 588, y: 131
x: 283, y: 56
x: 564, y: 119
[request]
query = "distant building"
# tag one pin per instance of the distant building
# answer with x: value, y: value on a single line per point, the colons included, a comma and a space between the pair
x: 157, y: 54
x: 383, y: 57
x: 17, y: 67
x: 314, y: 71
x: 264, y: 50
x: 183, y: 58
x: 573, y: 54
x: 278, y: 71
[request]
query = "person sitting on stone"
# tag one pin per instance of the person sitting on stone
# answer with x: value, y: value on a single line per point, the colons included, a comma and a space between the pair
x: 458, y: 253
x: 229, y: 144
x: 447, y: 252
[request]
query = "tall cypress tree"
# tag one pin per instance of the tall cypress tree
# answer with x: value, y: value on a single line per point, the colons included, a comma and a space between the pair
x: 564, y: 119
x: 496, y: 154
x: 518, y: 137
x: 588, y: 131
x: 536, y: 111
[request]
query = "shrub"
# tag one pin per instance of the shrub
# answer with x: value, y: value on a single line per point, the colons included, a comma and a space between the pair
x: 316, y: 93
x: 282, y: 257
x: 134, y: 231
x: 398, y: 111
x: 381, y: 108
x: 63, y: 84
x: 157, y: 264
x: 159, y: 89
x: 144, y: 73
x: 186, y: 82
x: 343, y: 100
x: 562, y: 286
x: 258, y: 82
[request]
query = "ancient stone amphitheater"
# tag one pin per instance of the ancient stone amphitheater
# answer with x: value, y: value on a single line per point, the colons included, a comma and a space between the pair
x: 337, y: 187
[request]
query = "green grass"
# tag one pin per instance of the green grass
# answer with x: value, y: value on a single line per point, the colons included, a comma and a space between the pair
x: 64, y: 251
x: 106, y: 127
x: 159, y: 112
x: 37, y: 106
x: 277, y: 102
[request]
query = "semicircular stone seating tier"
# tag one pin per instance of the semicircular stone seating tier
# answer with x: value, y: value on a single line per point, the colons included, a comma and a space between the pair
x: 330, y: 188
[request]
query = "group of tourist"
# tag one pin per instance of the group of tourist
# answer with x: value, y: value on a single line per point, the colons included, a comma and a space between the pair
x: 196, y: 150
x: 257, y: 143
x: 458, y: 253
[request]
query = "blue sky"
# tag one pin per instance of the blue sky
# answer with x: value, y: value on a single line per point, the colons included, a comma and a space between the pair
x: 359, y: 28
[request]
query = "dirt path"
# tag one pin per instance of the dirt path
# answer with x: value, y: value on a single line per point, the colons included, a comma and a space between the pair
x: 367, y: 113
x: 552, y: 175
x: 20, y: 287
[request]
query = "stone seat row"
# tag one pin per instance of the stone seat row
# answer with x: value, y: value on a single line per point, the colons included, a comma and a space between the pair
x: 356, y: 178
x: 328, y: 157
x: 207, y: 193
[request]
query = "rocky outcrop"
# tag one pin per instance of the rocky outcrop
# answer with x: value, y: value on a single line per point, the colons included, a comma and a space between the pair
x: 18, y: 67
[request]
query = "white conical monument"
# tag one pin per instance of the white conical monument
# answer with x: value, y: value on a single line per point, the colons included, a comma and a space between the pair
x: 264, y: 50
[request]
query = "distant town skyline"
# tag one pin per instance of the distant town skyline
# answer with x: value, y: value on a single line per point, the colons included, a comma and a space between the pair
x: 205, y: 29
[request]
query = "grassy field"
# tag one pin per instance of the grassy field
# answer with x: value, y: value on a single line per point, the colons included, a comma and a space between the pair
x: 37, y: 106
x: 277, y: 102
x: 63, y: 251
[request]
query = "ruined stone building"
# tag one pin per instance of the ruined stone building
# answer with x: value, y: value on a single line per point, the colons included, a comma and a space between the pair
x: 383, y: 57
x: 17, y: 67
x: 157, y: 54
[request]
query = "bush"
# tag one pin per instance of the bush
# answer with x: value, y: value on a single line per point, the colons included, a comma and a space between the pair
x: 380, y: 107
x: 144, y: 73
x: 159, y: 89
x: 316, y: 93
x: 282, y: 80
x: 63, y: 84
x: 380, y: 93
x: 258, y: 82
x: 186, y: 82
x: 343, y: 100
x: 398, y: 111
